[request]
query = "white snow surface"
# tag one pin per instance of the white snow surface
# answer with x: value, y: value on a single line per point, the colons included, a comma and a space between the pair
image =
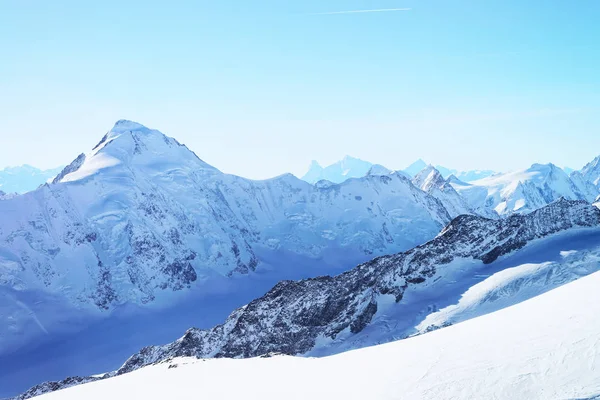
x: 513, y: 285
x: 543, y: 348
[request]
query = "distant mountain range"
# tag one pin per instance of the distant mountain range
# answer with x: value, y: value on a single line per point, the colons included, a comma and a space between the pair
x: 524, y: 191
x: 350, y: 167
x: 25, y: 178
x: 486, y: 192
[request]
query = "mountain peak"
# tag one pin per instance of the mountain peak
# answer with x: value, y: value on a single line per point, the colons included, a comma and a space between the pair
x: 428, y: 177
x: 124, y: 125
x: 314, y: 164
x: 131, y: 143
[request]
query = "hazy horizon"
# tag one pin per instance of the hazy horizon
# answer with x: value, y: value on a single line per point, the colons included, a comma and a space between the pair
x: 262, y: 89
x: 301, y: 173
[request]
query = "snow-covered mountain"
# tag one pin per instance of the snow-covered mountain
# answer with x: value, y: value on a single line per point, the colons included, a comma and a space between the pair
x: 430, y: 180
x: 25, y: 178
x: 475, y: 266
x: 523, y: 191
x: 348, y: 167
x: 141, y: 217
x: 543, y: 348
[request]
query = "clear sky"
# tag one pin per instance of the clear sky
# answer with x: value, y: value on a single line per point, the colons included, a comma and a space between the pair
x: 259, y: 88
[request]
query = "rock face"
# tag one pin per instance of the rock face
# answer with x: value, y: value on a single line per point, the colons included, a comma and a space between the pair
x: 295, y: 316
x: 141, y: 216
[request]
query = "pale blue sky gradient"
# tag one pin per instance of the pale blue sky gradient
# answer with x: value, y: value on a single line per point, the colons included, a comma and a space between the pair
x: 259, y: 88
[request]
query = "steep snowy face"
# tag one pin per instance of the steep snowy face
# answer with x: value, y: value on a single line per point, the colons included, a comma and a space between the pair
x: 522, y: 191
x: 24, y: 178
x: 348, y: 167
x: 591, y: 172
x: 430, y: 180
x: 323, y: 315
x: 141, y: 217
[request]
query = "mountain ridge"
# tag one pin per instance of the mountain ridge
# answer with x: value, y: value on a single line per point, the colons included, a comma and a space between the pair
x: 295, y: 316
x: 141, y: 217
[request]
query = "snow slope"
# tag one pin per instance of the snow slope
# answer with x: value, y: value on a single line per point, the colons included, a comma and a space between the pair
x: 513, y: 285
x: 141, y: 218
x: 522, y: 191
x: 544, y: 348
x: 24, y: 178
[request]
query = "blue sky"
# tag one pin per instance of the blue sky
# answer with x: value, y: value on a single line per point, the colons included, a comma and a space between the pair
x: 258, y: 88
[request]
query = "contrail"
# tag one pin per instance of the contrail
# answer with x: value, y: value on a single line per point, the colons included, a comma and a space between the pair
x: 364, y: 11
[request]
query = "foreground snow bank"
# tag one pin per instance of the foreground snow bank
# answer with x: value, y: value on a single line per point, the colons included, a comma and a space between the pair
x: 543, y: 348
